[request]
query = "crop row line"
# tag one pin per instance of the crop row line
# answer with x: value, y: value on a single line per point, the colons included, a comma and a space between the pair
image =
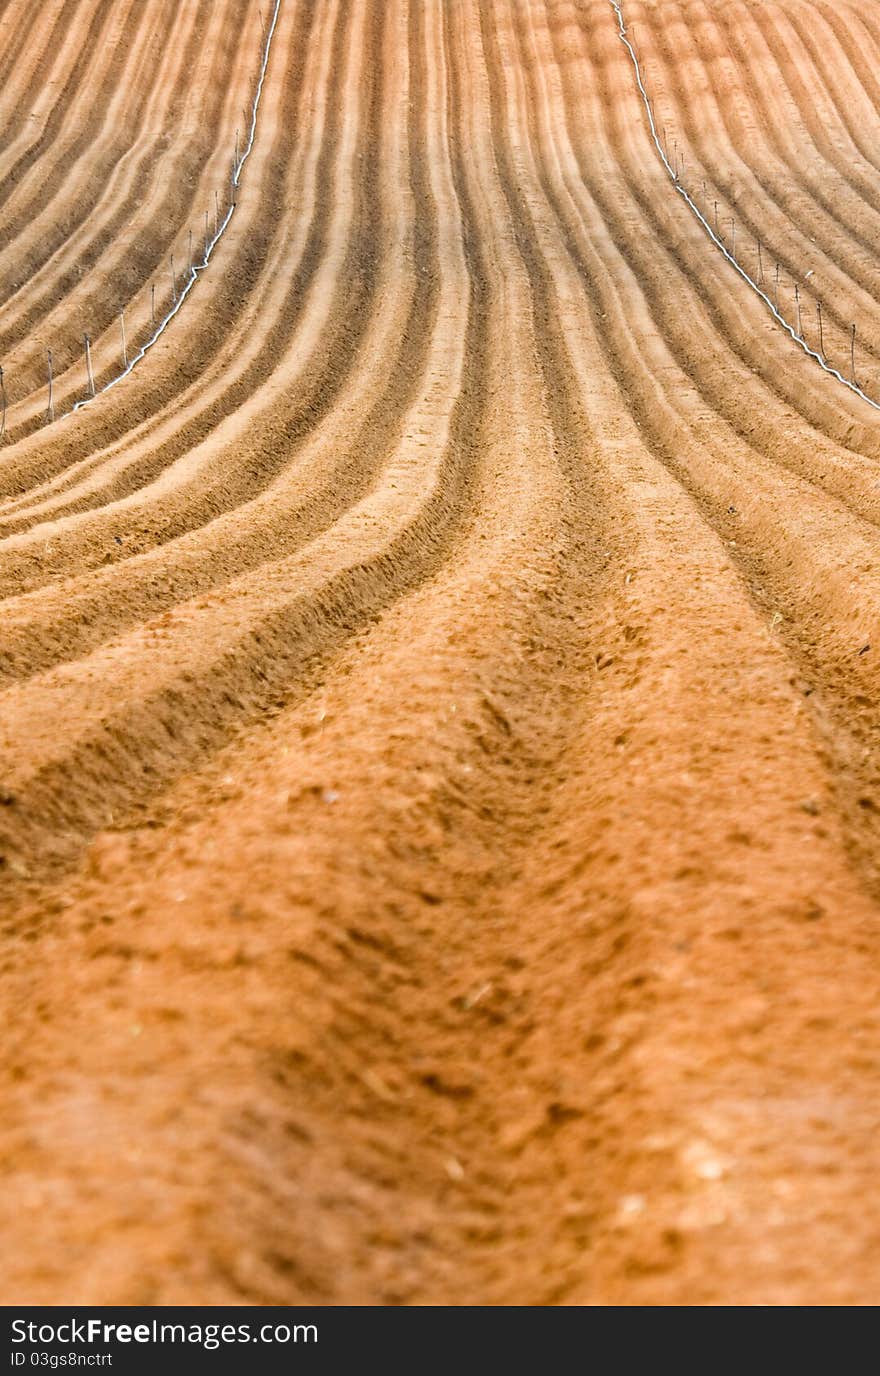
x: 195, y: 268
x: 794, y: 331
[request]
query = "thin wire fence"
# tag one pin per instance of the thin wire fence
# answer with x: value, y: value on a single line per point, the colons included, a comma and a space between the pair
x: 196, y: 264
x: 675, y: 168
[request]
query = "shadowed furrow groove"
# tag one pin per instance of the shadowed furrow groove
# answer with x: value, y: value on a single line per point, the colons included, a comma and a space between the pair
x: 777, y: 176
x: 271, y: 441
x: 791, y: 176
x: 439, y: 684
x: 246, y: 674
x: 220, y: 296
x: 72, y: 240
x: 294, y: 510
x: 189, y: 162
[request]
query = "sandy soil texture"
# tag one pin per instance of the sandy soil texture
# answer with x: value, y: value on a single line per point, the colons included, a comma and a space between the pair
x: 440, y: 688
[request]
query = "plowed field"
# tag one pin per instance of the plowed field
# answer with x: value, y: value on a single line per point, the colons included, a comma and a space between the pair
x: 440, y: 684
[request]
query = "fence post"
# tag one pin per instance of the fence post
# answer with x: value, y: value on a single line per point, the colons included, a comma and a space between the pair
x: 207, y: 240
x: 777, y: 289
x: 124, y: 348
x: 50, y: 409
x: 716, y: 219
x: 90, y: 375
x: 216, y: 213
x: 173, y: 281
x: 852, y: 353
x: 153, y: 304
x: 797, y: 302
x: 190, y: 252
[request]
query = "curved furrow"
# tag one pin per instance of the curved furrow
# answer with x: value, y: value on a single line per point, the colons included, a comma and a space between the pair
x: 63, y: 225
x: 585, y: 1080
x: 816, y: 577
x: 34, y: 176
x: 792, y: 236
x: 669, y: 1103
x: 68, y: 241
x: 36, y: 58
x: 516, y: 450
x: 310, y: 81
x: 440, y: 683
x: 822, y: 150
x: 102, y: 258
x: 667, y: 403
x: 25, y: 43
x: 338, y: 360
x: 324, y: 473
x: 739, y: 501
x: 846, y: 474
x: 259, y: 632
x: 860, y: 43
x: 164, y: 375
x: 735, y: 330
x: 829, y: 99
x: 269, y: 435
x: 770, y: 188
x: 845, y: 203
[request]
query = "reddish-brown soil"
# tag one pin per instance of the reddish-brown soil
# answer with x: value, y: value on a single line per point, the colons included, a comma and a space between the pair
x: 440, y: 702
